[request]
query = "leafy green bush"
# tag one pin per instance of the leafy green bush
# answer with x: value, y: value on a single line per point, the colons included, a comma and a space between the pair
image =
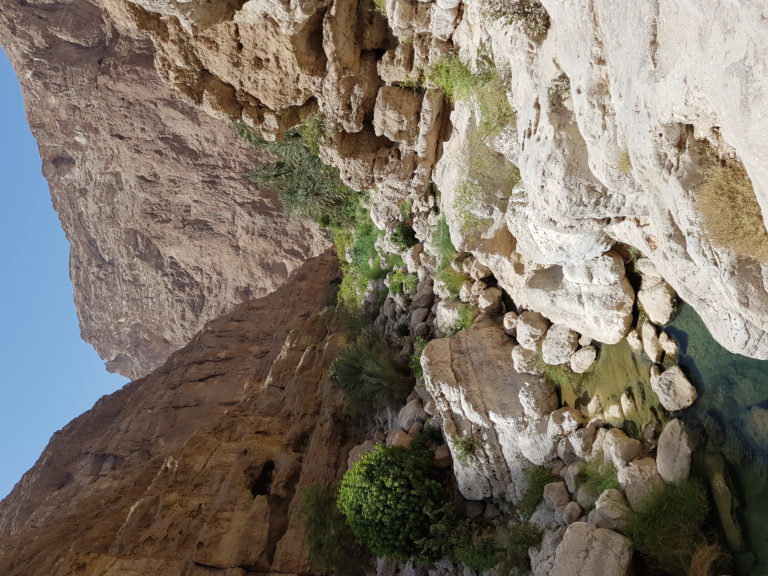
x: 390, y: 498
x: 453, y: 77
x: 307, y: 188
x: 404, y: 236
x: 456, y: 79
x: 467, y: 314
x: 537, y: 477
x: 479, y: 556
x: 667, y: 526
x: 418, y: 348
x: 332, y: 547
x: 464, y: 447
x: 365, y: 264
x: 496, y: 113
x: 599, y: 476
x: 522, y: 535
x: 403, y: 282
x: 369, y: 376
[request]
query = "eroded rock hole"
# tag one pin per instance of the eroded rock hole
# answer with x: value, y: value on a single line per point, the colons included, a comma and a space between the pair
x: 263, y: 484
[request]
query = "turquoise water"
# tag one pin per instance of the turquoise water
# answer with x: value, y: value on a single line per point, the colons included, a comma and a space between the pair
x: 730, y: 418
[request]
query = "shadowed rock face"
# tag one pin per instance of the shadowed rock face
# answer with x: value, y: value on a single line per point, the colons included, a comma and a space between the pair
x: 166, y: 231
x: 201, y: 463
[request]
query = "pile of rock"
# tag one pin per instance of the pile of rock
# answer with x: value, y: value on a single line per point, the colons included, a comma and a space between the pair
x: 516, y: 421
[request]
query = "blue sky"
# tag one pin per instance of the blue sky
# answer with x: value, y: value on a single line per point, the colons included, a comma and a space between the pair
x: 48, y: 375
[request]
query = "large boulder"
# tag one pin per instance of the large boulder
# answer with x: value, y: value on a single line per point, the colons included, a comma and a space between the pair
x: 611, y: 510
x: 673, y: 456
x: 674, y: 390
x: 531, y: 328
x: 589, y: 551
x: 657, y: 299
x: 477, y: 395
x: 639, y: 479
x: 559, y: 344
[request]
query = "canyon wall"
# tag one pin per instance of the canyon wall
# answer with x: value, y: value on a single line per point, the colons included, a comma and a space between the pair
x: 611, y: 110
x: 153, y: 194
x: 199, y: 467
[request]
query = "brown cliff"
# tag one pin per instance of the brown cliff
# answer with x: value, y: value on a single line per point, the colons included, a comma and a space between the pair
x: 166, y: 231
x: 196, y: 468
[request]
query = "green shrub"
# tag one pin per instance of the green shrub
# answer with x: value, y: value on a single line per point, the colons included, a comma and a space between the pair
x: 369, y: 376
x: 488, y: 168
x: 537, y: 477
x: 467, y: 314
x: 380, y: 7
x: 496, y: 113
x: 479, y: 556
x: 559, y: 88
x: 307, y: 188
x: 456, y: 79
x: 332, y: 547
x: 452, y: 280
x: 446, y: 252
x: 468, y: 195
x: 418, y: 348
x: 667, y: 525
x: 390, y: 498
x: 365, y: 264
x: 404, y: 236
x: 403, y: 282
x: 522, y: 535
x: 464, y: 447
x: 453, y: 77
x: 732, y: 217
x: 599, y: 476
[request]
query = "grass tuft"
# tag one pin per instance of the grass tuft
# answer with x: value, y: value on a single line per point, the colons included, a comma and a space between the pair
x: 667, y: 526
x: 599, y: 476
x: 731, y: 213
x: 537, y: 477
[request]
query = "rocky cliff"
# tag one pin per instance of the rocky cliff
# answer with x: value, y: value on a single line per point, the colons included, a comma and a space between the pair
x: 166, y: 231
x: 611, y: 110
x: 198, y: 467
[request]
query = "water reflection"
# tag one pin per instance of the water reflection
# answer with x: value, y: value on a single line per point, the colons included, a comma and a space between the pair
x: 730, y: 418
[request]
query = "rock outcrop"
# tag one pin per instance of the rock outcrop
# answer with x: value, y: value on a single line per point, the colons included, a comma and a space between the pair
x: 197, y: 468
x: 152, y: 192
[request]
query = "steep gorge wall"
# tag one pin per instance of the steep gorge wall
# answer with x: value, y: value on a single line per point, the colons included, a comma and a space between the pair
x: 153, y: 194
x: 197, y: 468
x: 600, y: 86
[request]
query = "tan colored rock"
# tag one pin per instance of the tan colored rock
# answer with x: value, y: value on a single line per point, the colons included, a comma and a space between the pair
x: 673, y: 455
x: 674, y: 390
x: 396, y: 114
x: 583, y: 359
x: 203, y: 462
x: 651, y: 344
x: 559, y: 344
x: 611, y: 511
x: 639, y: 479
x: 657, y: 299
x: 619, y: 448
x: 166, y: 232
x: 531, y: 328
x: 476, y: 394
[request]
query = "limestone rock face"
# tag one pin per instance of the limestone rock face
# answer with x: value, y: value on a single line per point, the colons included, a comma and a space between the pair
x: 202, y: 462
x: 477, y: 395
x: 153, y: 193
